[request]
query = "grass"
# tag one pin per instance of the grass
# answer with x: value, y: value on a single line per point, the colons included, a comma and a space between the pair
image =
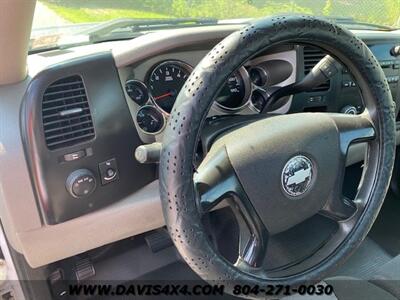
x: 81, y: 11
x: 86, y: 15
x: 385, y: 12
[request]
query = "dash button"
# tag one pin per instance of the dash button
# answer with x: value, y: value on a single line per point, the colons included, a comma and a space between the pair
x: 108, y: 171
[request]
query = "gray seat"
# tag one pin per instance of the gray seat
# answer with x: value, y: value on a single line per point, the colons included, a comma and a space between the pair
x: 350, y: 288
x: 383, y: 285
x: 388, y: 277
x: 347, y: 288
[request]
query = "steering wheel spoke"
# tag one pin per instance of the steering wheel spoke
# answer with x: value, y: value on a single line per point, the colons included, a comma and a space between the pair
x: 253, y: 240
x: 215, y: 180
x: 353, y: 129
x: 338, y: 208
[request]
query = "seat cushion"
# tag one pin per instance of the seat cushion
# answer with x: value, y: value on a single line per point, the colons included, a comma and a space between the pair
x: 388, y: 276
x: 349, y: 288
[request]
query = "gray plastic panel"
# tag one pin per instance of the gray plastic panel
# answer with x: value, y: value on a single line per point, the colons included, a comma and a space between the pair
x: 116, y: 137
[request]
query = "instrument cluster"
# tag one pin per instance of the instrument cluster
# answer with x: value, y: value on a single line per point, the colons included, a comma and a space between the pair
x: 248, y: 87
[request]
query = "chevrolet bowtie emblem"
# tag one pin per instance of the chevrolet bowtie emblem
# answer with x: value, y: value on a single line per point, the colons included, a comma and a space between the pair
x: 297, y: 175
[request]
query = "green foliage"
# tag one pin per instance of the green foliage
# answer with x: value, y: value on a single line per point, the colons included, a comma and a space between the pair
x: 392, y: 7
x: 180, y: 8
x: 385, y: 12
x: 87, y: 15
x: 213, y: 8
x: 327, y: 10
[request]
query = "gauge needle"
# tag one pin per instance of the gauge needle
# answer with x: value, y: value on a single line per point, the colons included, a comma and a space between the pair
x: 163, y: 96
x: 153, y: 119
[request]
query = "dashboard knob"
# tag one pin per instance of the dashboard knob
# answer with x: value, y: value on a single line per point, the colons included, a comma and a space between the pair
x: 81, y: 183
x: 395, y: 51
x: 349, y: 110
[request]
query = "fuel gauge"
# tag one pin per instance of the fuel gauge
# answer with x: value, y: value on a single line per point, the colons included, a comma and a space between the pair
x: 137, y: 91
x: 150, y: 119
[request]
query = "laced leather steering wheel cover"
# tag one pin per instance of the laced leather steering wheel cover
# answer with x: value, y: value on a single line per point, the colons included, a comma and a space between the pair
x: 193, y: 103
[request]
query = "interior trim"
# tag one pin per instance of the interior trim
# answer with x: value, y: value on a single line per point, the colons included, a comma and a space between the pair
x: 146, y: 46
x: 135, y: 214
x: 15, y: 29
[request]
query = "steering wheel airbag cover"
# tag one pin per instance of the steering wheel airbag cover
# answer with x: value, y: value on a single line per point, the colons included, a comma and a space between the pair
x: 193, y: 102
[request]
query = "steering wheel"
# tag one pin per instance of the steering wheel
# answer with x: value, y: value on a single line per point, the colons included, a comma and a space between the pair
x: 277, y: 171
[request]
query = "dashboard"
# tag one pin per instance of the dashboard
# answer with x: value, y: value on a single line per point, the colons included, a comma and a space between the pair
x: 152, y: 86
x: 73, y: 126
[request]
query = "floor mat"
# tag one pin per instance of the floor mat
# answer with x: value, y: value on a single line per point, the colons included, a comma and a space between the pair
x: 179, y: 273
x: 385, y: 230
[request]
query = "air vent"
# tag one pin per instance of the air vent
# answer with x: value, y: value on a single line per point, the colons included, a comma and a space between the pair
x: 66, y: 113
x: 312, y: 56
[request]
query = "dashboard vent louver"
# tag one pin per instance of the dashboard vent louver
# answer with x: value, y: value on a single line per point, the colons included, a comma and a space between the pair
x: 66, y: 113
x: 312, y: 56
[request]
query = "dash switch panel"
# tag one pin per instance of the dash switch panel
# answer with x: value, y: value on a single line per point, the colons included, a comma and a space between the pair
x: 108, y: 171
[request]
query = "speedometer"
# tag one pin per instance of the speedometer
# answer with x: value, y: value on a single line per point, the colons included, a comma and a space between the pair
x: 165, y: 82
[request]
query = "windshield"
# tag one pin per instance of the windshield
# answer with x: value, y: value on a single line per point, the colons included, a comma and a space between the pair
x: 71, y: 22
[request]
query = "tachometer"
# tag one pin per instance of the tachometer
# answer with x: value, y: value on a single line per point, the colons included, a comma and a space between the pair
x: 165, y: 82
x: 236, y: 91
